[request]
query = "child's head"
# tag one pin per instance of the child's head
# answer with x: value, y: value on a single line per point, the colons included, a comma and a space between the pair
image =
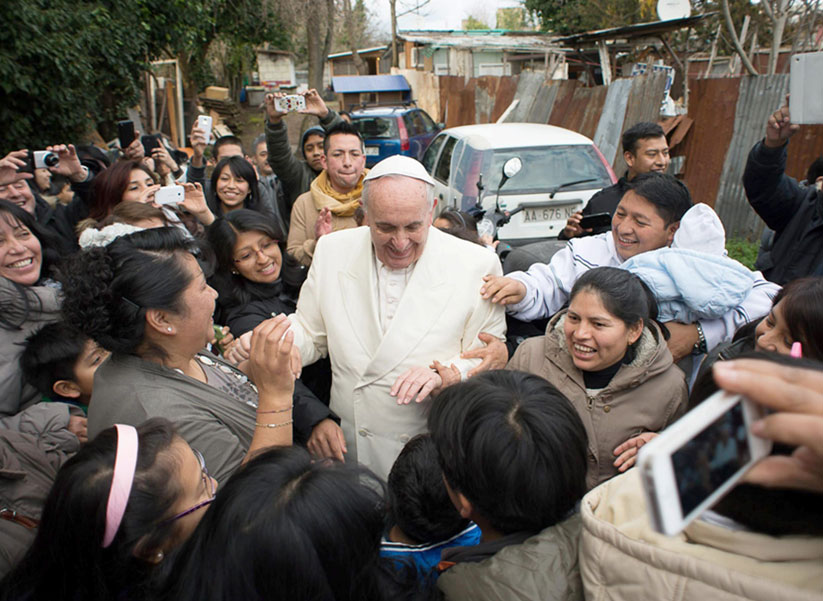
x: 512, y: 449
x: 419, y: 503
x: 60, y: 362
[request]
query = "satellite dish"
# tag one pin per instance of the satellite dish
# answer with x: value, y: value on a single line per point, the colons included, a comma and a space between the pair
x: 673, y: 9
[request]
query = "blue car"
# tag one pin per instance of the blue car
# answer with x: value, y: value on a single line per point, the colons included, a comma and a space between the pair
x: 393, y: 130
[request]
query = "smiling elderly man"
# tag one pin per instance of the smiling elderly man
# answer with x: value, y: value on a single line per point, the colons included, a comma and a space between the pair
x: 386, y: 301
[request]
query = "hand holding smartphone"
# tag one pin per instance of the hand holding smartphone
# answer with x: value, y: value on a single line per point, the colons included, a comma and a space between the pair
x: 699, y: 458
x: 169, y: 195
x: 596, y: 220
x: 292, y: 102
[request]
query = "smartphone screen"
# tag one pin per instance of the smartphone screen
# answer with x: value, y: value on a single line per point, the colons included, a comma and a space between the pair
x: 716, y: 454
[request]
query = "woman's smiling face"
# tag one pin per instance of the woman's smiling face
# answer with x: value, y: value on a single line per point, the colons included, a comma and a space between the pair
x: 257, y: 257
x: 596, y: 339
x: 21, y: 256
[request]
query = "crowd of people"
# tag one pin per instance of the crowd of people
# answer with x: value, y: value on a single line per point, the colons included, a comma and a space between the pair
x: 305, y: 380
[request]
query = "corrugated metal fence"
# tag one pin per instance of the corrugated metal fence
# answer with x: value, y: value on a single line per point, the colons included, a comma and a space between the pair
x: 726, y: 117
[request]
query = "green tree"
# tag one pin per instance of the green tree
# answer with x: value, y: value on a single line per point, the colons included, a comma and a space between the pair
x: 69, y: 66
x: 471, y: 22
x: 573, y: 16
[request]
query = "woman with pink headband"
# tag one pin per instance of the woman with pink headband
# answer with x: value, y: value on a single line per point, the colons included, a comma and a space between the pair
x: 115, y: 511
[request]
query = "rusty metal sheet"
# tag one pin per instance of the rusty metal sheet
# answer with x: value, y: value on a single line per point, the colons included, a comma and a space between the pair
x: 562, y: 102
x: 712, y: 105
x: 683, y: 126
x: 506, y: 89
x: 757, y: 99
x: 527, y: 86
x: 610, y: 127
x: 584, y: 110
x: 805, y: 146
x: 542, y: 105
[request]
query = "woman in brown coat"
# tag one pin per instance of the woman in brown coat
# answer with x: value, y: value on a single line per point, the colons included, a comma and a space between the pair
x: 609, y: 357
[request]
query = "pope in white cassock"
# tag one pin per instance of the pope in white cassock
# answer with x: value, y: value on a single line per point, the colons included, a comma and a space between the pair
x: 384, y: 302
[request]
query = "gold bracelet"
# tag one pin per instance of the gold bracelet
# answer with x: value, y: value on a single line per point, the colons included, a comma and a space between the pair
x: 289, y: 408
x: 259, y: 425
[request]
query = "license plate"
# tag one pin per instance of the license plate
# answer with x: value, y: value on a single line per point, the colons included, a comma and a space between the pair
x: 541, y: 214
x: 372, y: 151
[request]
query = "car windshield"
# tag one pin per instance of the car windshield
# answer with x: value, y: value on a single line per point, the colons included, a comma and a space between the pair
x: 544, y: 168
x: 376, y: 127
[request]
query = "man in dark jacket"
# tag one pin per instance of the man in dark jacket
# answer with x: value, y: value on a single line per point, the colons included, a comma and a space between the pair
x: 60, y: 219
x: 794, y: 213
x: 296, y: 176
x: 645, y: 149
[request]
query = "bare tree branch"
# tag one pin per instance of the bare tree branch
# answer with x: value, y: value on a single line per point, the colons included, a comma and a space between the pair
x: 420, y: 4
x: 735, y: 41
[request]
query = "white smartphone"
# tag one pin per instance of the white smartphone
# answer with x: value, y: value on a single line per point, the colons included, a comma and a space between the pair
x: 169, y: 195
x: 292, y: 102
x: 698, y: 459
x: 805, y: 88
x: 204, y: 122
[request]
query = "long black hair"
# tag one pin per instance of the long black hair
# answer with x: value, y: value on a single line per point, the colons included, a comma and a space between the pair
x: 49, y: 243
x: 284, y: 527
x: 107, y: 290
x: 66, y: 559
x: 221, y: 235
x: 241, y: 168
x: 623, y: 294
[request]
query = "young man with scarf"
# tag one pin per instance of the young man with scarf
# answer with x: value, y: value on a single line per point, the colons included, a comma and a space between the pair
x: 333, y: 196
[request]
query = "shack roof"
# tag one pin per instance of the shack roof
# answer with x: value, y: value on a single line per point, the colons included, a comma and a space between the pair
x: 370, y: 83
x: 638, y: 30
x: 485, y: 39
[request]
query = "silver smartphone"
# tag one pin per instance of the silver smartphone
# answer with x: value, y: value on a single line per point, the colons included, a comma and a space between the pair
x: 698, y: 459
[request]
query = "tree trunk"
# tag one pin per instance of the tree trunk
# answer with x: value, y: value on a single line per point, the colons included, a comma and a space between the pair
x: 354, y: 39
x: 394, y: 59
x: 319, y: 21
x: 781, y: 15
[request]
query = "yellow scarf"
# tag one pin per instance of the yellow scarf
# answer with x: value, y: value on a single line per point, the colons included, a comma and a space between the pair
x: 346, y: 204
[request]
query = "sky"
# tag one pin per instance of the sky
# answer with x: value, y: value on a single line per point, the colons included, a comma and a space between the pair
x: 437, y: 14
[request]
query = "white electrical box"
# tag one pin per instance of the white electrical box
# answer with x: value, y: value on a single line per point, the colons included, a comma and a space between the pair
x: 806, y: 88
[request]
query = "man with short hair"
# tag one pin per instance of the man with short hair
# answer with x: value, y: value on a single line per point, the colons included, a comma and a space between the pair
x: 270, y: 183
x: 333, y: 196
x: 383, y: 303
x: 296, y: 175
x: 645, y: 150
x: 646, y: 218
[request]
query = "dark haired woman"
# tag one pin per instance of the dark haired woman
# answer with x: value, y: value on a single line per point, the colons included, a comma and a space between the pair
x: 250, y: 261
x: 796, y: 316
x: 115, y: 511
x: 28, y: 298
x: 234, y: 186
x: 609, y: 357
x: 145, y: 298
x: 285, y: 527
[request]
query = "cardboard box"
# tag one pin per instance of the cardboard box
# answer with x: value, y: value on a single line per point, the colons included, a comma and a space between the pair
x: 216, y: 93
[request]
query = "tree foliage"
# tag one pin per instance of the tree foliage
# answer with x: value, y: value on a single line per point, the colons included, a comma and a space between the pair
x: 471, y: 23
x: 68, y: 66
x: 574, y: 16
